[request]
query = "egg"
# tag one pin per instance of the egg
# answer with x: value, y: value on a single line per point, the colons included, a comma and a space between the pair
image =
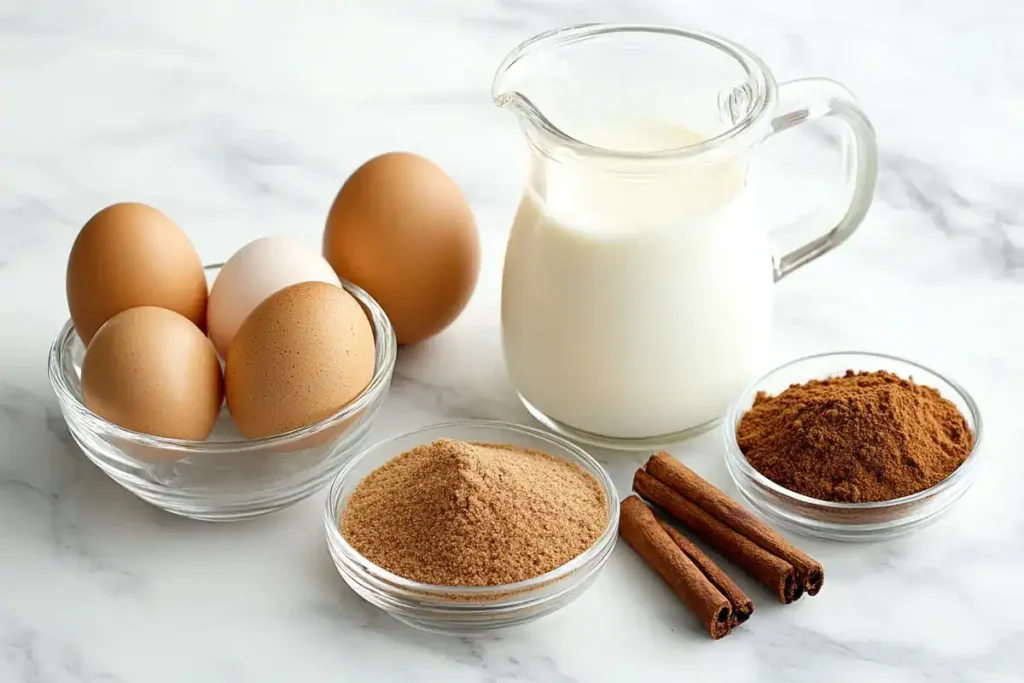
x: 401, y: 229
x: 252, y: 274
x: 301, y: 356
x: 151, y: 370
x: 130, y: 255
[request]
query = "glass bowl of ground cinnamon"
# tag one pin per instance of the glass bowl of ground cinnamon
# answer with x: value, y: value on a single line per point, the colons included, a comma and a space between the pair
x: 853, y: 446
x: 467, y: 527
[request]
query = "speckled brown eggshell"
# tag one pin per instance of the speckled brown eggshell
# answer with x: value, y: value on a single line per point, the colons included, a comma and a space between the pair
x: 401, y: 229
x: 153, y: 371
x: 299, y: 357
x: 131, y: 255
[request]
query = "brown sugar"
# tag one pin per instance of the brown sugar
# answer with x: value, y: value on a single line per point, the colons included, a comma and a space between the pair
x: 866, y: 436
x: 455, y: 513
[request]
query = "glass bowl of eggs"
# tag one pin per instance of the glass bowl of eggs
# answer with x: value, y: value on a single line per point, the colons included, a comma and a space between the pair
x: 279, y: 433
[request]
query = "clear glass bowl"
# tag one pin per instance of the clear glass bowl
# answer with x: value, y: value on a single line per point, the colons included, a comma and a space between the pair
x: 849, y: 521
x: 464, y: 611
x: 226, y: 477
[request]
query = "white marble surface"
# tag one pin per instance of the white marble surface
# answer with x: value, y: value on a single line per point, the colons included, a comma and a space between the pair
x: 241, y: 119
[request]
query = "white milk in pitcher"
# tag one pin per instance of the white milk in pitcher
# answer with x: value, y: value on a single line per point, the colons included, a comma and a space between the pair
x: 636, y: 306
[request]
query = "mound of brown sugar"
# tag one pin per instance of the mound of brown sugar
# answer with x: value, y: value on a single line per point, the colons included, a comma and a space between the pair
x: 866, y: 436
x: 455, y: 513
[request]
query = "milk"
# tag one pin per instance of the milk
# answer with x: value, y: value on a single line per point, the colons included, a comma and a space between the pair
x: 636, y: 306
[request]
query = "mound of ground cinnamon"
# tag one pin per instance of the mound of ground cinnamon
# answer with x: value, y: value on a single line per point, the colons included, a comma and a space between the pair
x: 456, y: 513
x: 865, y: 436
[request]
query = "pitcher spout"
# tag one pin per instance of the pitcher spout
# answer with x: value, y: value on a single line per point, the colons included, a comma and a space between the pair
x: 630, y: 93
x: 512, y: 78
x: 519, y: 67
x: 533, y: 79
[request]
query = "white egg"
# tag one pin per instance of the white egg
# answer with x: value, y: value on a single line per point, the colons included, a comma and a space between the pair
x: 254, y: 273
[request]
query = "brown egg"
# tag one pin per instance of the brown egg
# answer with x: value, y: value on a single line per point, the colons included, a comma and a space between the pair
x: 153, y: 371
x: 131, y: 255
x: 298, y: 358
x: 401, y: 229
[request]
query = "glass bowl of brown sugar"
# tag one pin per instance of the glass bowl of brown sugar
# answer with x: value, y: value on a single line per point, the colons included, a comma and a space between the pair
x: 467, y: 609
x: 853, y: 446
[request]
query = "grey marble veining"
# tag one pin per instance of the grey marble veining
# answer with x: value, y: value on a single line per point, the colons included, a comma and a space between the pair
x: 242, y: 119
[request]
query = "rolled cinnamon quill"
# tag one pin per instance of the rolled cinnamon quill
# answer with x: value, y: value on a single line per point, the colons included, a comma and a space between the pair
x: 716, y: 503
x: 775, y: 573
x: 742, y: 606
x: 642, y: 531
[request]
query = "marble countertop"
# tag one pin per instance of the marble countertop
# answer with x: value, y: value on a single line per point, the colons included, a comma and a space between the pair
x: 242, y: 119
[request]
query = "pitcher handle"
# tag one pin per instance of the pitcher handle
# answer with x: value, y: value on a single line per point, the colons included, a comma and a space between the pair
x: 809, y: 99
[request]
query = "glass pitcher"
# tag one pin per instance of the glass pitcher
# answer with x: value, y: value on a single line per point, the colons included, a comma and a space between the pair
x: 636, y: 293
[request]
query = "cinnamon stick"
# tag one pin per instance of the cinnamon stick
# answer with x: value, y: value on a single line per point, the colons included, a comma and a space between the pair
x: 775, y: 573
x: 641, y: 530
x: 714, y: 501
x: 742, y: 606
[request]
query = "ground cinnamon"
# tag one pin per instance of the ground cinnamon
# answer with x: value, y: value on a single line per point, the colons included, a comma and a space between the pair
x: 865, y: 436
x: 456, y: 513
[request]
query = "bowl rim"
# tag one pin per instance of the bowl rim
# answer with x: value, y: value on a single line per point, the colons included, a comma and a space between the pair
x: 518, y: 591
x: 386, y: 352
x: 735, y: 456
